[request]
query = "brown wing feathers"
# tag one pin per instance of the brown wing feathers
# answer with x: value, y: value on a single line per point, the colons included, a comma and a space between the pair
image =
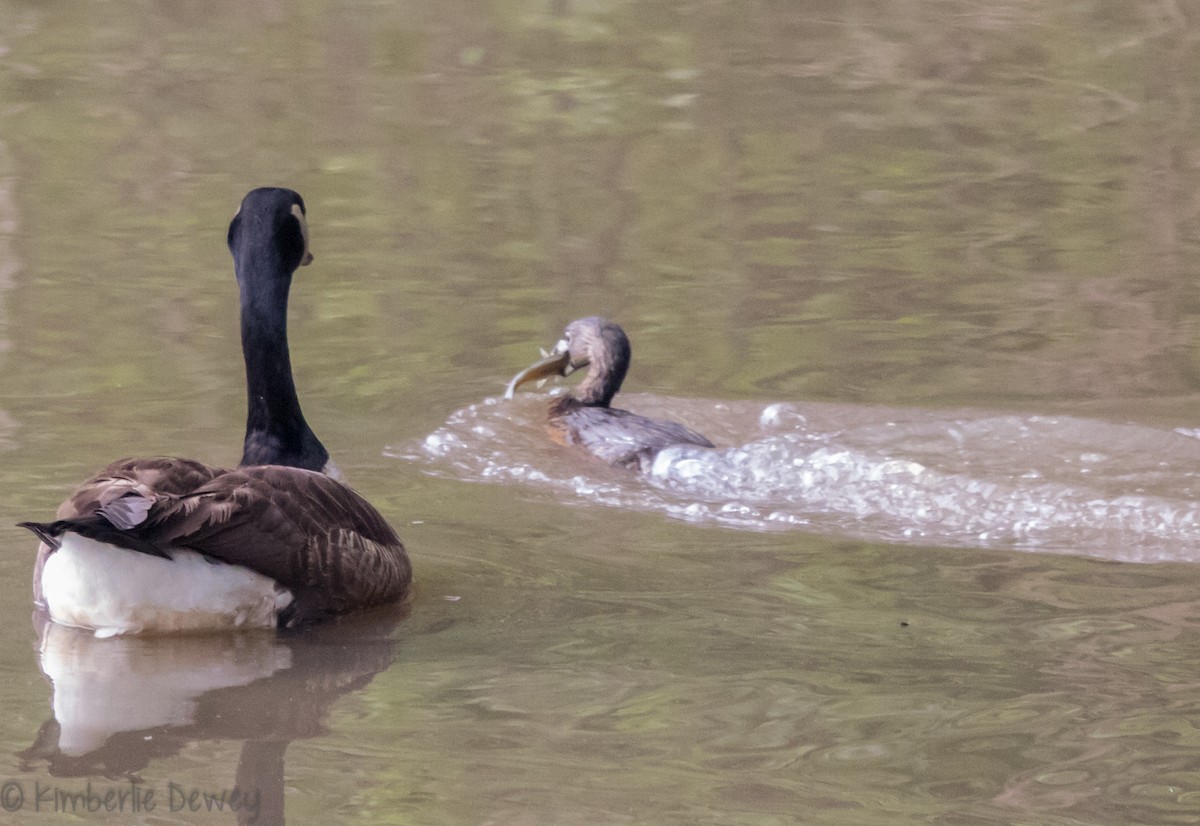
x: 313, y: 535
x: 298, y: 527
x: 162, y: 473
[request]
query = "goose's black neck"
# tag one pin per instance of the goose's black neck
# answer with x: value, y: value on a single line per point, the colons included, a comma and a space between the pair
x: 276, y: 432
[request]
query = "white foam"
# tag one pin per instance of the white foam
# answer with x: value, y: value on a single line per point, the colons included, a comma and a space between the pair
x: 1120, y: 491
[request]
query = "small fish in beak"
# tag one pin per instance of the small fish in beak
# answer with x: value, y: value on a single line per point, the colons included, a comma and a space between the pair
x: 555, y: 363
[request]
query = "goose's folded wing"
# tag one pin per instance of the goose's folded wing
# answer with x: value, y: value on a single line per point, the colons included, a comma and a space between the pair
x: 161, y: 474
x: 301, y: 528
x: 152, y: 476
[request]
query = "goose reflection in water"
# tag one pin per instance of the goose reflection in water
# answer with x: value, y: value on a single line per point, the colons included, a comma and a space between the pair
x: 121, y: 703
x: 586, y: 418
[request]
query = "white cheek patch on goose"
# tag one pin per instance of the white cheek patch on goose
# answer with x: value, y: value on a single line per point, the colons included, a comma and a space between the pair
x: 307, y: 258
x: 333, y: 472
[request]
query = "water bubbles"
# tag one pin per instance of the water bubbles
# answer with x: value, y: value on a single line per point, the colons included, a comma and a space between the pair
x: 694, y: 512
x: 780, y: 415
x: 440, y: 443
x: 674, y: 464
x: 893, y: 468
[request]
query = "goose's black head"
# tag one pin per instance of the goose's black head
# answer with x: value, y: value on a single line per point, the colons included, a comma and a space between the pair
x: 268, y: 238
x: 269, y: 233
x: 592, y: 342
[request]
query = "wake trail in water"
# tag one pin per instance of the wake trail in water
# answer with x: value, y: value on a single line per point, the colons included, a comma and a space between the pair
x: 961, y: 478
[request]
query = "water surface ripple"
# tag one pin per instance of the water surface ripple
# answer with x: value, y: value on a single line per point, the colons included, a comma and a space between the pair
x: 963, y: 478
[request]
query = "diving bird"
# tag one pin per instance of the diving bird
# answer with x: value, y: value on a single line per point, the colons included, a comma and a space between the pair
x: 164, y: 544
x: 586, y: 418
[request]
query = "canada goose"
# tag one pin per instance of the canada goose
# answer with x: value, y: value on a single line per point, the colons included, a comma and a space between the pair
x: 616, y: 436
x: 164, y: 544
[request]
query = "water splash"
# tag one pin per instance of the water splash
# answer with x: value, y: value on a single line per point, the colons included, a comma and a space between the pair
x: 961, y: 478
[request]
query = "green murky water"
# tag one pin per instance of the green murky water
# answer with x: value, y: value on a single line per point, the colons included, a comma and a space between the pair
x: 929, y: 206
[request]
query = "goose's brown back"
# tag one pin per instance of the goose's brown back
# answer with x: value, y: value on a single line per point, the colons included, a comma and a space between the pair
x: 313, y: 535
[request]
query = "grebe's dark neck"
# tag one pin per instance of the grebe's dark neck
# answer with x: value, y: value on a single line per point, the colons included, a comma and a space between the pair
x: 276, y: 432
x: 597, y: 390
x: 609, y: 355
